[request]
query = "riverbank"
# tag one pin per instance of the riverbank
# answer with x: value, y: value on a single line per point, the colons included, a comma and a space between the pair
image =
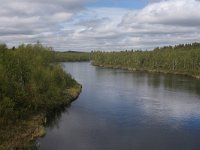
x: 32, y: 88
x: 183, y: 59
x: 150, y: 70
x: 23, y: 133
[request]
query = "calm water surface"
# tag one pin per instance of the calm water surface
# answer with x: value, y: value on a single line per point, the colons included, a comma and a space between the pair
x: 122, y: 110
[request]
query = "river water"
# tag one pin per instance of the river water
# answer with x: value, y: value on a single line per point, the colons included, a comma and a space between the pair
x: 122, y: 110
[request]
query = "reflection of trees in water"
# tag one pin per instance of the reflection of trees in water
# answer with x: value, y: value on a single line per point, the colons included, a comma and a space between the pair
x: 152, y: 79
x: 53, y: 117
x: 34, y: 146
x: 174, y: 82
x: 182, y: 84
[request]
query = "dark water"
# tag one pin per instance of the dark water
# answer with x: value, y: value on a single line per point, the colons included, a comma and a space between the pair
x: 120, y: 110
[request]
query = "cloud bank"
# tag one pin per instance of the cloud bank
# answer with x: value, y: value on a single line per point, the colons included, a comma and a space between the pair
x: 73, y: 25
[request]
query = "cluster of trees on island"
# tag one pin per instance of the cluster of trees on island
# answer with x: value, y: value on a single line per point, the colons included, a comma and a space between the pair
x: 179, y: 59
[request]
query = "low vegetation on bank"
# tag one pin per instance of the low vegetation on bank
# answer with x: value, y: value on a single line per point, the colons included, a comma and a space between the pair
x: 180, y: 59
x: 31, y: 86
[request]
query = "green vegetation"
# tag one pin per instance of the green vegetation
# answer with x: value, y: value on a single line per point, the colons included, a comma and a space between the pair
x: 31, y: 86
x: 71, y: 56
x: 180, y: 59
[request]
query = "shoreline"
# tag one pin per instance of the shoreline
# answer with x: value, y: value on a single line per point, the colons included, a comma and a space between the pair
x: 149, y: 71
x: 24, y: 133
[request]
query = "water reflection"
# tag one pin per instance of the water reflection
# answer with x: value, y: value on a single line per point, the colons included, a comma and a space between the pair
x: 174, y: 82
x: 54, y: 117
x: 122, y: 110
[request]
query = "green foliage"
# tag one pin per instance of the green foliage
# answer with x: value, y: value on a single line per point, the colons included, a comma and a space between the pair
x: 180, y: 59
x: 29, y: 82
x: 71, y: 56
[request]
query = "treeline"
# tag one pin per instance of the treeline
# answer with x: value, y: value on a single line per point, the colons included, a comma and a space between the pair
x: 31, y: 86
x: 71, y: 56
x: 179, y: 59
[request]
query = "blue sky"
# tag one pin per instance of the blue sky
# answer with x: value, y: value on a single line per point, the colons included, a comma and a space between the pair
x: 108, y: 25
x: 130, y: 4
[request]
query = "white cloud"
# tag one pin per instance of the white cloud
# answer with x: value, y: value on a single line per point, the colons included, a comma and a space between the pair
x: 26, y: 21
x: 165, y: 22
x: 171, y: 12
x: 70, y: 25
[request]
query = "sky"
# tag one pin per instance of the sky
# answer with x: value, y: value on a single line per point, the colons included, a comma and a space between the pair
x: 108, y: 25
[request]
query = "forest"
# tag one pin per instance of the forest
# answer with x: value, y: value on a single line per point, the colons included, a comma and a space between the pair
x: 71, y: 56
x: 180, y: 59
x: 31, y: 86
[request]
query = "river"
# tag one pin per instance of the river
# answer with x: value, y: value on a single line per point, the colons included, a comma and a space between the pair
x: 123, y: 110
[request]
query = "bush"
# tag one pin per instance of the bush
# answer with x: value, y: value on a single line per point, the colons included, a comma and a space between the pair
x: 29, y: 82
